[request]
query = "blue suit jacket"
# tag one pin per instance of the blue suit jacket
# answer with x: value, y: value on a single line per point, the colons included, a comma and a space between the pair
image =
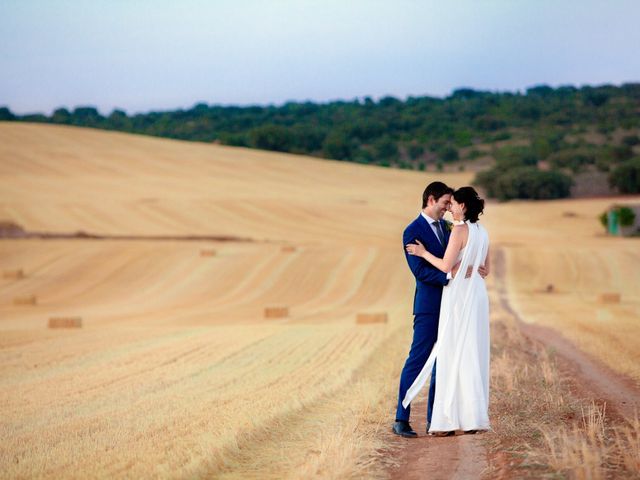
x: 429, y: 280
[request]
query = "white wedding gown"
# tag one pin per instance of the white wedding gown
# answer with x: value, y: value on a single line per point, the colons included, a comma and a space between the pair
x: 462, y: 349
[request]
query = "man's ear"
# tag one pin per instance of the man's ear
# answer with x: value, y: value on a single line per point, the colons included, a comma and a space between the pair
x: 430, y: 200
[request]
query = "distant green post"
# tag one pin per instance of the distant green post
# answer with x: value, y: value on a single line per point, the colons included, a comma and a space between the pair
x: 613, y: 222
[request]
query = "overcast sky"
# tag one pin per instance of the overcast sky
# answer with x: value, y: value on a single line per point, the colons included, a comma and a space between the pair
x: 142, y: 55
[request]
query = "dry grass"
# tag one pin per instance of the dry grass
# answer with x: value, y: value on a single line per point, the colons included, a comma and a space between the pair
x: 234, y: 401
x: 594, y: 447
x: 541, y: 428
x: 363, y: 318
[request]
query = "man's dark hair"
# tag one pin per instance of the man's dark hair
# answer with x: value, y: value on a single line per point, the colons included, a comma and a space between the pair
x: 437, y: 189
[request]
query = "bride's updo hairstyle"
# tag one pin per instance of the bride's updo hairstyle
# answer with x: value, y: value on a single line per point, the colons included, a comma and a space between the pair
x: 472, y: 202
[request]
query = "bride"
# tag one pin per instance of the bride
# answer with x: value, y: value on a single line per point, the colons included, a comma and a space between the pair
x: 462, y: 349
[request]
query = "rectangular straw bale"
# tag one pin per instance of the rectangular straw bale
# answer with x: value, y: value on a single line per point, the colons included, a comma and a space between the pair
x: 288, y: 249
x: 65, y: 322
x: 18, y: 273
x: 380, y: 317
x: 609, y: 297
x: 207, y: 253
x: 25, y: 300
x: 276, y: 312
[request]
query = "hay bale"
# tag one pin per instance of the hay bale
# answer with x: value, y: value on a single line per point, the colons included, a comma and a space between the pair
x: 609, y: 297
x: 550, y: 288
x: 25, y: 300
x: 207, y: 253
x: 363, y: 318
x: 569, y: 214
x: 65, y: 322
x: 276, y: 312
x: 288, y: 249
x: 14, y: 274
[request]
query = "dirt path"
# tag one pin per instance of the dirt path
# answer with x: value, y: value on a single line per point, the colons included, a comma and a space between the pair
x: 591, y: 378
x: 436, y: 458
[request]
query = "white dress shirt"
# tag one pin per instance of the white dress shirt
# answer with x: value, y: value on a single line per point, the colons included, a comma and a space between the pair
x: 431, y: 223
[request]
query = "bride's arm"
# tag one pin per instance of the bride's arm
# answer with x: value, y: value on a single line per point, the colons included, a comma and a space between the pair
x: 450, y: 255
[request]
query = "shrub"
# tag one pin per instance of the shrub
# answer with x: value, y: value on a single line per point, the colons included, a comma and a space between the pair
x: 473, y: 154
x: 626, y: 177
x: 572, y: 159
x: 631, y: 140
x: 337, y: 146
x: 271, y: 137
x: 604, y: 219
x: 385, y: 148
x: 415, y: 150
x: 626, y: 216
x: 524, y: 183
x: 510, y: 157
x: 448, y: 153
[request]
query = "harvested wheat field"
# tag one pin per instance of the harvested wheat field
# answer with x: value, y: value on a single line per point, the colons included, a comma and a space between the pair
x: 594, y: 298
x: 253, y: 361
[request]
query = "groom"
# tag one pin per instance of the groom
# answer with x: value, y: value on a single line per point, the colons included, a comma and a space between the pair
x: 433, y: 233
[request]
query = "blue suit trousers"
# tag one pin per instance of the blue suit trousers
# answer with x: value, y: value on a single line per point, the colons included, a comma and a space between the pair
x: 425, y: 334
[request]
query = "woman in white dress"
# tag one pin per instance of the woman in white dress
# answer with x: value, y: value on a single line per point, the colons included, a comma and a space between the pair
x: 462, y: 349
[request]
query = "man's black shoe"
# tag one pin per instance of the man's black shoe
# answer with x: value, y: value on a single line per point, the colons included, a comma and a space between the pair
x: 403, y: 429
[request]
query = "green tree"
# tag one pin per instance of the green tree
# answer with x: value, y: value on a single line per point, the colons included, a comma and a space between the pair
x: 510, y: 157
x: 415, y: 150
x: 61, y: 115
x: 448, y: 153
x: 6, y: 115
x: 575, y: 160
x: 337, y: 145
x: 524, y: 183
x: 385, y: 148
x: 626, y: 177
x: 271, y: 137
x: 630, y: 140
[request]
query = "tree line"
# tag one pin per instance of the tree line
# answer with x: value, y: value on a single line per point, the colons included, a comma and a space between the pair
x: 420, y: 132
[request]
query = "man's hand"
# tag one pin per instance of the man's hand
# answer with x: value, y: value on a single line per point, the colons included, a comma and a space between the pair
x: 482, y: 271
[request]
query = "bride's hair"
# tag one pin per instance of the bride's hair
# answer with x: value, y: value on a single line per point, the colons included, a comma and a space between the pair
x: 472, y: 201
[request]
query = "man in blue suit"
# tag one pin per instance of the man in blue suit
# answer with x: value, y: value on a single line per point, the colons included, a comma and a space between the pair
x: 432, y: 231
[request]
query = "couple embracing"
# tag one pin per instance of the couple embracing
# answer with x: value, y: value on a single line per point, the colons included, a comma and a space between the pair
x: 451, y: 315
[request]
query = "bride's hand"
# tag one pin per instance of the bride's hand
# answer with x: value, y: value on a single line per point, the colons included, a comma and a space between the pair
x: 416, y: 249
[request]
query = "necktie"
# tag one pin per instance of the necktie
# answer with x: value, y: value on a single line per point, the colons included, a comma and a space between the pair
x: 439, y: 232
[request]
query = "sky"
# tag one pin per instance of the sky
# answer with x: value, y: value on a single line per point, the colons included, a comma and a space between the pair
x: 144, y: 55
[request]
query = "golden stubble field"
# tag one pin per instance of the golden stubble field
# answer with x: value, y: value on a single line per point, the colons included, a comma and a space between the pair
x: 176, y: 371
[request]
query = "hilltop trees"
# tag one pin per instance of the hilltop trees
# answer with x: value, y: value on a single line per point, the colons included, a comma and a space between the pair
x: 525, y: 182
x: 548, y: 127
